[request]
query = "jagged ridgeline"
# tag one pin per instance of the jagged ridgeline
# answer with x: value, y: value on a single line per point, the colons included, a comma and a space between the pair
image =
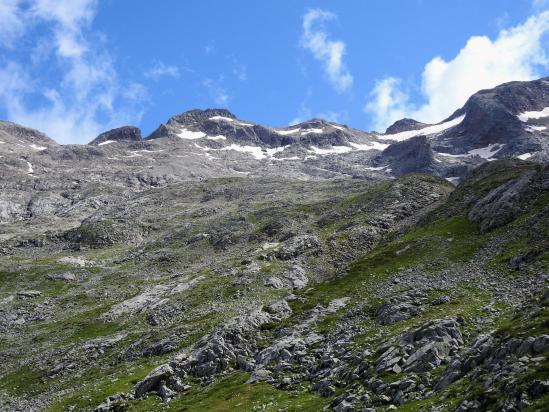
x: 221, y: 265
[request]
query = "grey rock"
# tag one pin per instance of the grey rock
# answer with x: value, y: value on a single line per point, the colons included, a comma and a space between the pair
x: 541, y: 344
x: 324, y: 387
x: 298, y: 246
x: 68, y: 277
x: 260, y: 375
x: 29, y: 293
x: 152, y: 381
x: 274, y: 282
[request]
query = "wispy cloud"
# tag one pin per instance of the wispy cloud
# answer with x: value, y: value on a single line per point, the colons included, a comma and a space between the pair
x: 540, y: 4
x: 316, y: 39
x: 306, y: 113
x: 90, y: 96
x: 161, y: 69
x: 516, y: 54
x: 216, y: 90
x: 11, y: 22
x: 240, y: 71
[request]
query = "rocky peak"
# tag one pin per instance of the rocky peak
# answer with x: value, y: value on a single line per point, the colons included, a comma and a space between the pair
x: 125, y: 133
x: 9, y: 130
x: 404, y: 125
x: 200, y: 116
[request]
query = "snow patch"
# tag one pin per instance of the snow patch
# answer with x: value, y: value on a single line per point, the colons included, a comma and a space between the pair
x: 229, y: 120
x: 486, y: 152
x: 106, y: 142
x: 272, y: 151
x: 255, y: 151
x: 429, y: 130
x: 450, y: 155
x: 30, y: 170
x: 370, y: 146
x: 375, y: 168
x: 333, y: 150
x: 287, y: 132
x: 190, y: 135
x: 453, y: 179
x: 218, y: 137
x: 281, y: 159
x: 37, y: 148
x: 223, y: 118
x: 535, y: 128
x: 525, y: 116
x: 309, y: 131
x: 525, y: 156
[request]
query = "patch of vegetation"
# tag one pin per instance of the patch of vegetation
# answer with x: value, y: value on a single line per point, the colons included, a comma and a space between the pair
x: 446, y: 240
x: 233, y: 394
x: 25, y: 381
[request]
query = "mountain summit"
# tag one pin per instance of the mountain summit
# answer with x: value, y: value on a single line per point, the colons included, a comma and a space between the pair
x: 509, y: 121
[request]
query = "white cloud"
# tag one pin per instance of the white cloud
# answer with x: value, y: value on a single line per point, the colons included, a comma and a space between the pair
x: 160, y: 69
x: 329, y: 52
x: 516, y: 54
x: 90, y: 97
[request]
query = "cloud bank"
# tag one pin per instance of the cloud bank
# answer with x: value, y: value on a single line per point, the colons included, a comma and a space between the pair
x: 517, y: 53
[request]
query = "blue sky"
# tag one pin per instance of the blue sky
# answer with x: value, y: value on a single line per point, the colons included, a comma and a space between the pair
x: 76, y: 68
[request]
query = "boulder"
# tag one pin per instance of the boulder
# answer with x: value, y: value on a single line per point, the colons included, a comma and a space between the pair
x: 298, y: 245
x: 28, y: 294
x: 152, y: 381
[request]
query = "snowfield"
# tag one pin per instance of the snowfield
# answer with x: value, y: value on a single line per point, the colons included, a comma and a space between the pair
x: 429, y: 130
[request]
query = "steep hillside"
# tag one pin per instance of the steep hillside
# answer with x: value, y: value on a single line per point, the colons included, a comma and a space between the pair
x: 256, y: 294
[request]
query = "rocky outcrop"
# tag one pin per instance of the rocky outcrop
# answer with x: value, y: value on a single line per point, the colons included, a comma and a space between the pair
x: 122, y: 134
x: 232, y: 346
x: 400, y: 308
x: 490, y: 354
x: 421, y: 350
x: 404, y: 125
x: 502, y: 204
x: 412, y: 155
x: 297, y: 246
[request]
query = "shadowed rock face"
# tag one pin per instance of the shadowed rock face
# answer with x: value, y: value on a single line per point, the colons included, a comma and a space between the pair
x: 413, y: 155
x: 126, y: 133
